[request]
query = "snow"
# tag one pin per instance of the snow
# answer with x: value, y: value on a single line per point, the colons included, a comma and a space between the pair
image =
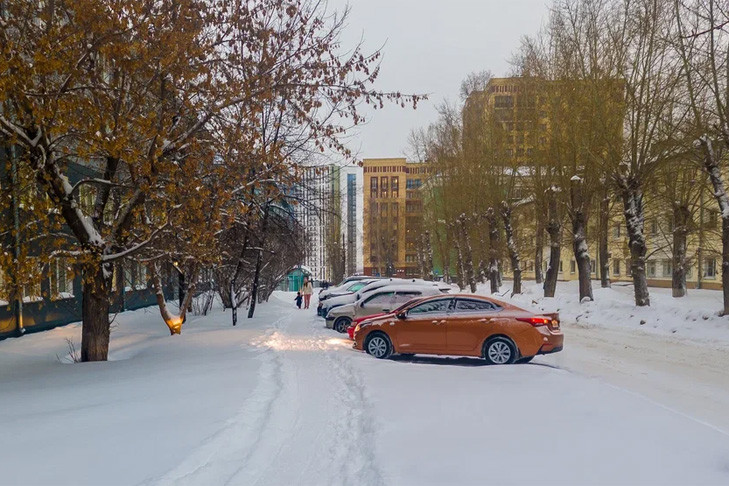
x: 694, y: 317
x: 279, y: 399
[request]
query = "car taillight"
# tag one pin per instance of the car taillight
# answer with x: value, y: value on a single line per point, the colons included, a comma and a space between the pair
x: 535, y: 321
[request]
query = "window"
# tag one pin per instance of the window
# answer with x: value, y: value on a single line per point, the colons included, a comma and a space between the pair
x: 402, y: 297
x: 382, y: 298
x: 616, y: 232
x: 373, y: 186
x: 710, y: 268
x: 395, y: 186
x: 572, y: 266
x: 383, y: 186
x: 394, y: 210
x: 503, y: 101
x: 61, y: 281
x: 466, y: 305
x: 560, y: 266
x: 432, y: 307
x: 667, y: 268
x: 592, y: 265
x: 712, y: 219
x: 651, y: 269
x: 628, y: 268
x: 616, y: 267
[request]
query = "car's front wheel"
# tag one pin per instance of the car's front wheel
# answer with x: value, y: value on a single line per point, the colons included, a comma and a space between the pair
x: 341, y: 324
x: 378, y: 345
x: 499, y: 350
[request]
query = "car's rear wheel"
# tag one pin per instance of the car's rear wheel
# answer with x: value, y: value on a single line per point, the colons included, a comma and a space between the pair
x: 378, y: 345
x: 499, y: 350
x: 342, y: 323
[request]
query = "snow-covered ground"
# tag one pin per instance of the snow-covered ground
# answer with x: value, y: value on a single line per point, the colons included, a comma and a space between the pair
x: 695, y: 316
x: 282, y: 400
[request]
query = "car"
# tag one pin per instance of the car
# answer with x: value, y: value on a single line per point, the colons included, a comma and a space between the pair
x: 359, y: 320
x: 333, y: 301
x: 462, y: 325
x: 347, y: 289
x: 323, y: 293
x: 384, y: 299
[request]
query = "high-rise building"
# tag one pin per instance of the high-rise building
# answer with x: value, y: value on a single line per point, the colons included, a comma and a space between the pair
x: 393, y: 216
x: 351, y: 200
x: 317, y: 211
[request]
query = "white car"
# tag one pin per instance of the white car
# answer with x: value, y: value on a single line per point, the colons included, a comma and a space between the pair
x: 380, y: 300
x: 342, y: 287
x: 333, y: 302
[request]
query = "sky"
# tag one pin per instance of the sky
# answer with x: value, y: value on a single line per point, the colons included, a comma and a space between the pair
x: 429, y: 47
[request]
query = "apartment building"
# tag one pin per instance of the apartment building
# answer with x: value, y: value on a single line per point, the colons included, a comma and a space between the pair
x: 393, y: 216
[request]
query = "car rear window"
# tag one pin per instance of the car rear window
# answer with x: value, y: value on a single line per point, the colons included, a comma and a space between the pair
x: 468, y: 305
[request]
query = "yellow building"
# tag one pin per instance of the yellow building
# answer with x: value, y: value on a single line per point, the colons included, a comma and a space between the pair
x: 517, y: 104
x: 393, y: 216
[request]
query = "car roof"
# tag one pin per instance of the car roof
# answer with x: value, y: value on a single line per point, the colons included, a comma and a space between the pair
x: 406, y: 288
x: 500, y: 303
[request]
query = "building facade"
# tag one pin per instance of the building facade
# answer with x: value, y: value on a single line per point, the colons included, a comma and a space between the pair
x: 518, y: 104
x: 392, y: 216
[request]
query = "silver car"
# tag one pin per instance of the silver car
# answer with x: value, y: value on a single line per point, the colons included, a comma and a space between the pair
x: 379, y: 301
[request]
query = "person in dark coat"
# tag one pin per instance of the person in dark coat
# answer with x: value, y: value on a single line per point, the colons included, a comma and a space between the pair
x: 298, y: 299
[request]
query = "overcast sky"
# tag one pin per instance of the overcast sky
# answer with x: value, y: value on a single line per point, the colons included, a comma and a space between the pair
x: 429, y: 47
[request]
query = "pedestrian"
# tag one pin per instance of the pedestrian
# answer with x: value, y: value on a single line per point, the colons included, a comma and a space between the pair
x: 307, y: 289
x: 298, y: 299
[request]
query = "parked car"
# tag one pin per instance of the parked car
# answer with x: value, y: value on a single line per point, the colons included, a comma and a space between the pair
x: 341, y: 287
x: 324, y: 307
x: 462, y: 325
x: 335, y: 300
x: 384, y: 299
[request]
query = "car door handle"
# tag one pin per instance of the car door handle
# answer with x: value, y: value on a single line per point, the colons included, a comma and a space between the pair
x: 439, y: 322
x: 484, y: 320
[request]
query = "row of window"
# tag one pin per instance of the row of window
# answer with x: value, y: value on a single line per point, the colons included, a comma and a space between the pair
x: 383, y: 189
x: 652, y: 226
x: 385, y: 168
x: 654, y: 269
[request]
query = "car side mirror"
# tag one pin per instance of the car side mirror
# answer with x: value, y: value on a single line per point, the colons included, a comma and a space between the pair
x: 401, y: 315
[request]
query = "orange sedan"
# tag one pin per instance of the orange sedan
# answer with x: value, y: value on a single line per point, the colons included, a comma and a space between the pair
x: 462, y: 325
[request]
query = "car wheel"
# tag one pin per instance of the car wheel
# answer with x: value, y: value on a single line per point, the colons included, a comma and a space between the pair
x: 341, y: 324
x: 524, y: 360
x: 499, y: 350
x: 379, y: 345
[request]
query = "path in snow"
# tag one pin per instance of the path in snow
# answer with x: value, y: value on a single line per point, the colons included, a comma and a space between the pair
x: 680, y: 374
x: 302, y: 422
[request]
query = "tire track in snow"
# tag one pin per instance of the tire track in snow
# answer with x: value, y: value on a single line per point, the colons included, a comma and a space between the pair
x: 219, y: 457
x: 307, y: 421
x: 358, y: 425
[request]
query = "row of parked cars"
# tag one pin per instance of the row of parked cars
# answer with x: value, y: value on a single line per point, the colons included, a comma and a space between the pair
x: 385, y: 316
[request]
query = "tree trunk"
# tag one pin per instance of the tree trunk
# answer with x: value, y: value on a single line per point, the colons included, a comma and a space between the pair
x: 429, y: 255
x: 493, y: 250
x: 633, y: 212
x: 603, y: 245
x: 511, y: 246
x: 95, y: 313
x: 554, y: 230
x: 173, y: 322
x: 460, y: 269
x: 712, y: 167
x: 681, y: 219
x: 538, y: 252
x: 259, y: 264
x: 579, y: 239
x: 468, y: 255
